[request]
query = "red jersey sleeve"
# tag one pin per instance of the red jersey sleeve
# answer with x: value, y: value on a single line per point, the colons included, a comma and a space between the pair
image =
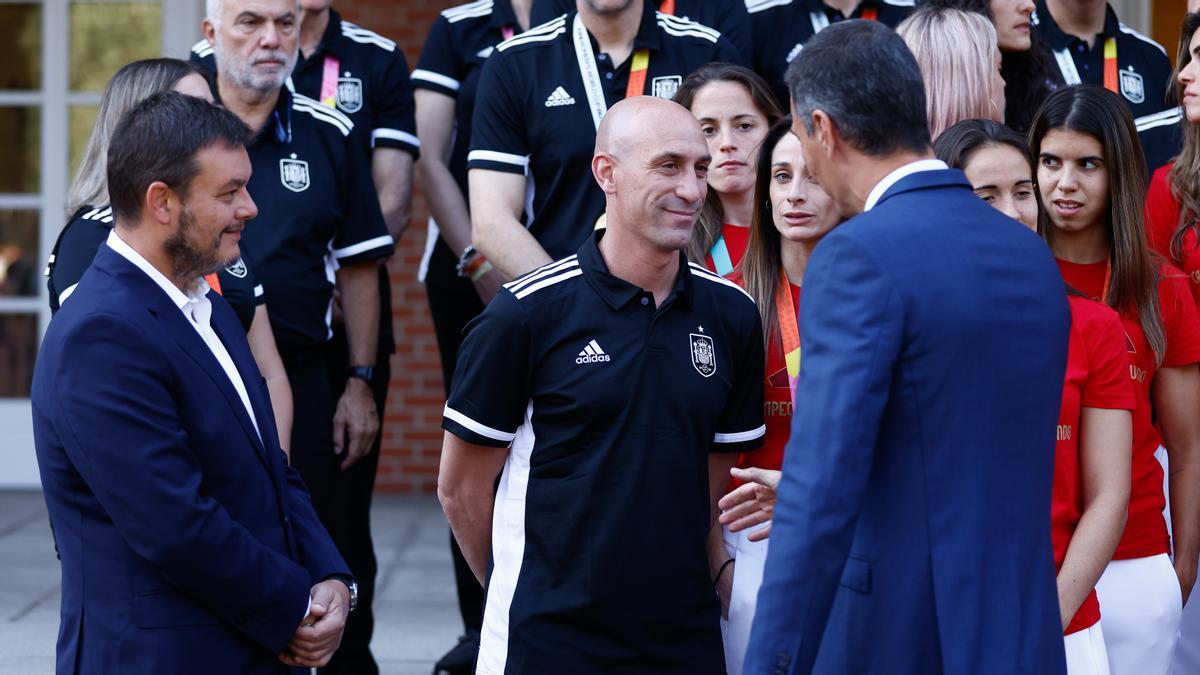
x: 1108, y: 384
x: 1181, y: 323
x: 1162, y: 212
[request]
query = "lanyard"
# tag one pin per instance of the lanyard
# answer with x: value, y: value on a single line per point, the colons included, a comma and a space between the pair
x: 789, y: 330
x: 1066, y: 66
x: 667, y: 7
x: 214, y: 282
x: 720, y: 255
x: 592, y: 85
x: 507, y: 32
x: 1110, y: 65
x: 1107, y: 281
x: 329, y: 81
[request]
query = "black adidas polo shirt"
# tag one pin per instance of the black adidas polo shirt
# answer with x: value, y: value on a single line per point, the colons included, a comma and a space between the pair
x: 1144, y: 71
x: 459, y: 43
x: 317, y: 210
x: 87, y: 231
x: 532, y: 115
x: 610, y: 408
x: 781, y: 27
x: 727, y: 16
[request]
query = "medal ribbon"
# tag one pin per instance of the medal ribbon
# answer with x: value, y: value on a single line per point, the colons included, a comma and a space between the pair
x: 789, y: 331
x: 667, y: 7
x: 329, y: 81
x: 720, y: 255
x: 1110, y: 66
x: 870, y: 14
x: 507, y: 32
x: 214, y: 282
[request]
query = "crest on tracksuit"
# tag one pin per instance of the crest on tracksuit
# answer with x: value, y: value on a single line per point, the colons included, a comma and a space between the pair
x: 293, y: 173
x: 704, y: 357
x: 237, y: 269
x: 350, y: 94
x: 1132, y: 86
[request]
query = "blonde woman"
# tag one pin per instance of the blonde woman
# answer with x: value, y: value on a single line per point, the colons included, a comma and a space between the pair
x: 959, y: 57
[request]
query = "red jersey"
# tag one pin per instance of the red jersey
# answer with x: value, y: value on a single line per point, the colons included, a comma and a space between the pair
x: 777, y: 403
x: 1145, y: 530
x: 1162, y: 219
x: 1097, y: 377
x: 736, y: 240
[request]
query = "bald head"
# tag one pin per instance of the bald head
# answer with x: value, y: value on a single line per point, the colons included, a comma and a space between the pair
x: 651, y: 162
x: 642, y: 122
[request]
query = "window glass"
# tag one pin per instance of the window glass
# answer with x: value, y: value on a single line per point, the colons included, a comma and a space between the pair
x: 21, y: 169
x: 20, y: 46
x: 106, y: 36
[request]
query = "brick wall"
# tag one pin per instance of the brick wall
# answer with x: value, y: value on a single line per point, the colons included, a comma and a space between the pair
x: 412, y: 436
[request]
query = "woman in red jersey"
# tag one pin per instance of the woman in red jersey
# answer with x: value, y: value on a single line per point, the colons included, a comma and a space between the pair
x: 1173, y: 203
x: 735, y: 108
x: 1095, y: 428
x: 1173, y: 226
x: 1090, y: 178
x: 791, y: 214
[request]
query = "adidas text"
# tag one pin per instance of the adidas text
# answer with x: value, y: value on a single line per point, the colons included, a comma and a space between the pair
x: 559, y: 97
x: 593, y: 358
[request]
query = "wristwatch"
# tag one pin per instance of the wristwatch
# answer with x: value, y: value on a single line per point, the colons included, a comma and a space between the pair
x: 352, y: 586
x: 464, y: 258
x: 361, y: 372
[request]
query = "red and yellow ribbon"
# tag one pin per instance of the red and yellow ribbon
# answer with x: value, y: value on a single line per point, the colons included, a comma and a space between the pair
x: 789, y: 330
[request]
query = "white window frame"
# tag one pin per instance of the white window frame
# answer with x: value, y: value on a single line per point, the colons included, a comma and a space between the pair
x: 180, y: 29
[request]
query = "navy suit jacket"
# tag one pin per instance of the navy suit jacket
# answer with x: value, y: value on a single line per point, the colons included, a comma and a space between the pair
x: 187, y: 544
x: 912, y: 531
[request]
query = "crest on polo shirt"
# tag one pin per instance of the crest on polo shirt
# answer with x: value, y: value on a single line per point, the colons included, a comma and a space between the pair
x: 237, y: 269
x: 1132, y: 86
x: 704, y: 357
x: 665, y: 87
x: 349, y: 93
x: 293, y: 173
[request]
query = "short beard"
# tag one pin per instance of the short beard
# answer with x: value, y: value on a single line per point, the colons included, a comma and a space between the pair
x: 188, y: 261
x: 242, y: 73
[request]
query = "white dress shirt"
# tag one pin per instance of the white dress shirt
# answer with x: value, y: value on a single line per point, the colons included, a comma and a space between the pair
x: 894, y: 177
x: 197, y: 309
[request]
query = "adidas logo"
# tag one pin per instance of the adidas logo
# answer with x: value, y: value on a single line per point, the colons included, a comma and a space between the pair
x: 560, y: 97
x: 592, y: 352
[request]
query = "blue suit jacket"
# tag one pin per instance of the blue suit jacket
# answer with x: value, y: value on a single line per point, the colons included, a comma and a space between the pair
x: 912, y: 532
x: 187, y: 544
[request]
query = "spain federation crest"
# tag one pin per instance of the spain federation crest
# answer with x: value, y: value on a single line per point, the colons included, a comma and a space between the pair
x: 350, y: 94
x: 704, y: 357
x: 237, y: 269
x: 293, y: 173
x: 1132, y: 87
x: 665, y: 87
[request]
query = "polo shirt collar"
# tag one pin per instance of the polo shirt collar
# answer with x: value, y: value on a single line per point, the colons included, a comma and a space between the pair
x: 1057, y: 39
x: 820, y: 6
x: 331, y: 40
x: 279, y: 122
x: 617, y: 292
x: 503, y: 15
x: 648, y: 35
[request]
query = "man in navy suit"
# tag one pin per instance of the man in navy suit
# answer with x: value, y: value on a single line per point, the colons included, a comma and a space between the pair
x: 912, y: 532
x: 187, y: 543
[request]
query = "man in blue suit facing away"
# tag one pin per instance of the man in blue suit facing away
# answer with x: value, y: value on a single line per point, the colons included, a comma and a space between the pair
x: 187, y: 543
x: 912, y: 532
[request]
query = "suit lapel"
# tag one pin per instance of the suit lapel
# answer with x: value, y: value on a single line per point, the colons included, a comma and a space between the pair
x: 234, y: 338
